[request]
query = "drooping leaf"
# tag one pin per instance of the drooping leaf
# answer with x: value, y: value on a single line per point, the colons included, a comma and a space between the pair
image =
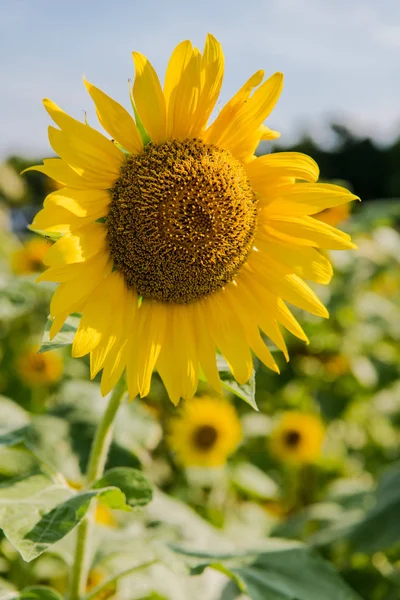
x: 246, y: 391
x: 38, y: 511
x: 279, y: 570
x: 23, y: 502
x: 134, y: 485
x: 65, y: 337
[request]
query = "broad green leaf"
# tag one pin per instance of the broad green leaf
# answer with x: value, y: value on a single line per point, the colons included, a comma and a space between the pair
x: 380, y: 528
x: 23, y: 502
x: 65, y: 336
x: 254, y: 482
x: 246, y: 391
x: 279, y: 570
x: 13, y: 422
x: 38, y: 511
x: 133, y: 484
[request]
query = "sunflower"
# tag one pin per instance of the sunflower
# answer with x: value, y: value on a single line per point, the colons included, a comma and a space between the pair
x: 206, y: 432
x: 29, y: 259
x: 177, y: 241
x: 38, y: 370
x: 298, y: 438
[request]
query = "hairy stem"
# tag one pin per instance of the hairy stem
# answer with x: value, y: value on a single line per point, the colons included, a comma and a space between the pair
x: 97, y: 460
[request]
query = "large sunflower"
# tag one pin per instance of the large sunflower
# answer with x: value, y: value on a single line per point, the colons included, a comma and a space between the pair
x: 177, y: 241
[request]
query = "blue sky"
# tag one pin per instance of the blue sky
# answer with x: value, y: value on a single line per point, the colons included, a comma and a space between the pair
x: 340, y: 58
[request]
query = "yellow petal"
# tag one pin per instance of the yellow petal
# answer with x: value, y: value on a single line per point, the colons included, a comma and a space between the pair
x: 59, y: 170
x: 116, y: 120
x: 261, y: 309
x: 267, y: 134
x: 82, y: 135
x: 251, y: 117
x: 176, y: 67
x: 62, y: 274
x: 250, y: 328
x: 60, y: 220
x: 308, y: 199
x: 78, y: 246
x: 306, y: 262
x: 263, y: 171
x: 229, y: 337
x: 117, y: 358
x: 79, y: 288
x: 206, y: 349
x: 149, y: 98
x: 152, y: 317
x: 211, y: 75
x: 98, y: 314
x: 287, y: 286
x: 306, y: 231
x: 89, y: 165
x: 80, y: 202
x: 178, y: 362
x: 182, y: 91
x: 214, y: 133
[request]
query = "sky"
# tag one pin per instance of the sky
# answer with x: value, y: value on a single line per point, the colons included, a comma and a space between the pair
x: 340, y: 59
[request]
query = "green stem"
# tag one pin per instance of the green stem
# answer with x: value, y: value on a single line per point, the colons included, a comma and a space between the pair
x: 116, y: 577
x: 97, y: 460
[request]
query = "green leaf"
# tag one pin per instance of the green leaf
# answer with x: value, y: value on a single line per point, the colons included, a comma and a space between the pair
x: 254, y: 482
x: 380, y: 528
x: 14, y: 422
x: 23, y: 502
x: 277, y: 571
x: 65, y: 337
x: 39, y: 592
x: 246, y: 391
x: 38, y: 511
x: 133, y: 484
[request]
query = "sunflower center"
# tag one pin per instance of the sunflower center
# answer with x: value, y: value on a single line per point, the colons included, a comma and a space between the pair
x: 292, y: 438
x: 181, y: 221
x: 37, y: 363
x: 205, y: 437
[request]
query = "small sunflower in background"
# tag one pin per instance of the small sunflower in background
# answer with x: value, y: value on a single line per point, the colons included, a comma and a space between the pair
x: 29, y: 259
x: 297, y: 438
x: 39, y: 370
x: 207, y: 431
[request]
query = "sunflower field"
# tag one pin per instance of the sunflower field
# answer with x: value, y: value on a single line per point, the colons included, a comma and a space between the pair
x: 272, y: 474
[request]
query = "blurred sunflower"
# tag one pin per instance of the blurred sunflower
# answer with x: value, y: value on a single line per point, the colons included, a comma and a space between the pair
x: 207, y: 431
x: 177, y: 240
x: 298, y: 438
x: 29, y: 259
x: 37, y: 370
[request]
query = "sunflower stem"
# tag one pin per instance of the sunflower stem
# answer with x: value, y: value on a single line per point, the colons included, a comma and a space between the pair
x: 97, y: 460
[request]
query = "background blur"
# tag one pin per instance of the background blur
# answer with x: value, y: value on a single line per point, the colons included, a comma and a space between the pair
x: 340, y: 104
